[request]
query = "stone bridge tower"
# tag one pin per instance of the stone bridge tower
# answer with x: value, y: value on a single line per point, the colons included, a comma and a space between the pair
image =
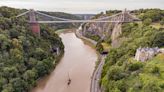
x: 33, y: 23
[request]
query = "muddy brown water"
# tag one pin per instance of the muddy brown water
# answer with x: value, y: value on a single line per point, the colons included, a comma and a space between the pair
x: 78, y: 63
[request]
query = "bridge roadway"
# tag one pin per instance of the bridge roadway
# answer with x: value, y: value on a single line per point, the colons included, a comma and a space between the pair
x: 76, y: 21
x: 122, y: 17
x: 95, y: 87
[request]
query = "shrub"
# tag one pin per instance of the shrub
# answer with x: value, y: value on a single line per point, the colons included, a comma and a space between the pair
x: 115, y: 73
x: 135, y: 66
x: 147, y: 21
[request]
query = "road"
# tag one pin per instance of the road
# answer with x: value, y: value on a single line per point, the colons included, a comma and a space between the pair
x: 97, y: 76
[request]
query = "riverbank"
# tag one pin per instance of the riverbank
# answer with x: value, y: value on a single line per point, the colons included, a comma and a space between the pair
x: 64, y: 31
x: 96, y: 76
x: 90, y: 42
x: 77, y: 56
x: 56, y: 62
x: 79, y: 35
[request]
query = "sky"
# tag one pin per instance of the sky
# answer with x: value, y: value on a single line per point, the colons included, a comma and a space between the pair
x: 82, y: 6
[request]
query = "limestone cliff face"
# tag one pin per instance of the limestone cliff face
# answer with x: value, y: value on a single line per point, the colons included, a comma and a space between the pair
x: 117, y: 31
x: 104, y: 30
x: 101, y: 29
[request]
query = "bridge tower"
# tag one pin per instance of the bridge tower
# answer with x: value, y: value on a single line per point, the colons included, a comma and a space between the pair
x: 33, y: 23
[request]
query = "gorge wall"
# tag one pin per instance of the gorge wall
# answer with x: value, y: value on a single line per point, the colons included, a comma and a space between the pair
x: 103, y: 31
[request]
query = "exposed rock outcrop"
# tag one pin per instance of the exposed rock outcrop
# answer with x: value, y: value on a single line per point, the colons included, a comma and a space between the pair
x: 144, y: 54
x: 161, y: 50
x: 117, y: 31
x: 112, y: 29
x: 103, y: 30
x: 1, y: 15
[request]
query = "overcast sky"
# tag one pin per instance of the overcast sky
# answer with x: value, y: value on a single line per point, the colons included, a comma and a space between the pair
x: 82, y: 6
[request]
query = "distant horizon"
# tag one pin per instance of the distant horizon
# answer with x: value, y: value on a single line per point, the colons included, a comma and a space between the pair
x: 81, y: 13
x: 83, y: 7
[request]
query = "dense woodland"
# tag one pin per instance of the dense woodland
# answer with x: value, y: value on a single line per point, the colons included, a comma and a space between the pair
x: 24, y: 56
x: 121, y: 73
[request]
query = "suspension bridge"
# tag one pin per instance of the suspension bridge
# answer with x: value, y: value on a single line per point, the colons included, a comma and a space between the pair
x: 121, y: 17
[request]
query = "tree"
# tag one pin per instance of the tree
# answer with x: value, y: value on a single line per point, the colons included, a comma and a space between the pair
x: 29, y: 76
x: 151, y: 86
x: 3, y: 81
x: 18, y: 84
x: 115, y: 73
x: 147, y: 21
x: 99, y: 47
x: 10, y: 72
x: 41, y: 68
x: 135, y: 66
x: 16, y: 54
x: 14, y: 33
x: 39, y: 54
x: 8, y: 88
x: 162, y: 21
x: 158, y: 40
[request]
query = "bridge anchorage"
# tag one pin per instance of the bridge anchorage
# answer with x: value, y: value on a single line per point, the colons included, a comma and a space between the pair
x: 122, y: 17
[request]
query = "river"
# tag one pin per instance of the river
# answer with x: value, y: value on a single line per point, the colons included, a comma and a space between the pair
x: 78, y: 63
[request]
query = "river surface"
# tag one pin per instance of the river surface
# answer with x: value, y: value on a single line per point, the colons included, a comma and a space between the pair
x: 78, y: 63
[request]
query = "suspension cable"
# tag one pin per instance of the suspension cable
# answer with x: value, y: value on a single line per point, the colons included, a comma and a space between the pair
x: 22, y: 14
x: 52, y: 16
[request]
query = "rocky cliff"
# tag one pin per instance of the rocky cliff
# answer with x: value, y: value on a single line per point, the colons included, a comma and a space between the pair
x: 103, y: 30
x: 144, y: 54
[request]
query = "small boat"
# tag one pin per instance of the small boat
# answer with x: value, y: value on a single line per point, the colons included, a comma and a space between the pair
x: 69, y: 80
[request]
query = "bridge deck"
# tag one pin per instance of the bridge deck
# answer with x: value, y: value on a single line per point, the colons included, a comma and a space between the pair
x: 79, y: 21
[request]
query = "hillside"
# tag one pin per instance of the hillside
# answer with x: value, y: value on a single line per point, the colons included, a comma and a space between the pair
x: 25, y: 57
x: 62, y: 15
x: 121, y: 72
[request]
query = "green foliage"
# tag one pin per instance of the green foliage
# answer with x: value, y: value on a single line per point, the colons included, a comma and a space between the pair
x: 135, y: 66
x: 24, y: 57
x: 99, y: 47
x: 121, y: 73
x: 158, y: 39
x: 162, y: 21
x: 115, y: 73
x: 93, y: 37
x: 9, y: 12
x: 98, y: 15
x: 63, y: 15
x: 147, y: 21
x: 112, y: 12
x: 155, y: 69
x: 154, y: 14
